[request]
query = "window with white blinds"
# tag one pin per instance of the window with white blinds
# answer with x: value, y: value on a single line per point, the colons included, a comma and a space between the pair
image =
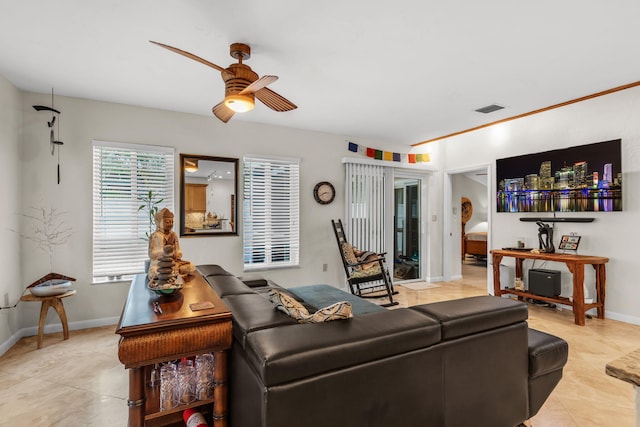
x: 122, y: 175
x: 271, y: 231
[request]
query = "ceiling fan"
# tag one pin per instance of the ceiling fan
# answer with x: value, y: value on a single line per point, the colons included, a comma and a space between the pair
x: 242, y: 84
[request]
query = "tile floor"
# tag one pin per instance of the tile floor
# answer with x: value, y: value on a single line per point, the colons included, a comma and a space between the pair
x: 80, y: 382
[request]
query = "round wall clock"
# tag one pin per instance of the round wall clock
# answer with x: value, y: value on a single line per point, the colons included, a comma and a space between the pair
x: 324, y: 193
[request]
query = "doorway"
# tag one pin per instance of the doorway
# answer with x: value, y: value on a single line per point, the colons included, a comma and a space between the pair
x: 474, y: 184
x: 407, y: 238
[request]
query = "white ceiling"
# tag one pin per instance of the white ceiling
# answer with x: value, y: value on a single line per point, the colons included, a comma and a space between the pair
x: 400, y: 71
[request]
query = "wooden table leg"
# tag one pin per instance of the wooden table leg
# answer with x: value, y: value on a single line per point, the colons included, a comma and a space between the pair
x: 578, y: 293
x: 220, y: 389
x: 136, y: 397
x: 43, y: 316
x: 496, y: 275
x: 59, y: 307
x: 601, y: 287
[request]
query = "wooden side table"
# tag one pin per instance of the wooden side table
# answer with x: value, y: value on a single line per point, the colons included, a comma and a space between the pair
x: 575, y: 263
x: 54, y: 301
x: 179, y: 330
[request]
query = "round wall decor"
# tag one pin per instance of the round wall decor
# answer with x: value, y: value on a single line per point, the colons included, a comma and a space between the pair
x: 324, y: 193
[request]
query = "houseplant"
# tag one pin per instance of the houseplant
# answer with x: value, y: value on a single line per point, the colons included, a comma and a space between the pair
x: 150, y: 203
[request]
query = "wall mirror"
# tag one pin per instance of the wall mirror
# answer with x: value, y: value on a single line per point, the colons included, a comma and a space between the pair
x: 209, y: 186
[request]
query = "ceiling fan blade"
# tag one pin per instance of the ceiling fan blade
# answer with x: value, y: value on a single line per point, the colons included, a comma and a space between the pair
x: 192, y: 56
x: 274, y: 101
x: 258, y: 84
x: 223, y: 112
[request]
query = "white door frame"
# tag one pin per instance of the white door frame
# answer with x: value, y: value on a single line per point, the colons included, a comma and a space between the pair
x: 448, y: 256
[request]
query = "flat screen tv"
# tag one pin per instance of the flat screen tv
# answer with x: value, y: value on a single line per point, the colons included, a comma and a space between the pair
x: 585, y: 178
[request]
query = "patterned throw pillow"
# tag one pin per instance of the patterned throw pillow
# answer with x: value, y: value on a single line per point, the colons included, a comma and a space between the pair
x: 291, y: 307
x: 350, y: 255
x: 339, y: 310
x: 287, y: 304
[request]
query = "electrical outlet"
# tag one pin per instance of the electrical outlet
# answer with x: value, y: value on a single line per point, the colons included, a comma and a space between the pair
x: 324, y: 267
x: 6, y: 299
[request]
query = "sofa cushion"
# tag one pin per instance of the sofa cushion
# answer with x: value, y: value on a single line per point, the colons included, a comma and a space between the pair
x: 475, y: 314
x: 288, y: 305
x: 254, y: 281
x: 288, y: 353
x: 228, y: 285
x: 252, y: 312
x: 212, y: 270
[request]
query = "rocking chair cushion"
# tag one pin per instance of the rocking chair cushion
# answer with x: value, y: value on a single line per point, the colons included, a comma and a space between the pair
x: 350, y: 255
x: 366, y: 273
x: 293, y: 308
x: 354, y: 255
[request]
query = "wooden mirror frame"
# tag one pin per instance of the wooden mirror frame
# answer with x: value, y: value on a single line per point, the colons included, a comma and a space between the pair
x: 224, y: 225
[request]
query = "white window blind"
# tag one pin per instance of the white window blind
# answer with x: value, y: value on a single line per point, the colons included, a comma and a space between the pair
x: 122, y: 173
x: 271, y: 188
x: 365, y: 202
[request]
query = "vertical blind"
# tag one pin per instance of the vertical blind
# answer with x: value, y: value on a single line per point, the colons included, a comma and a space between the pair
x: 122, y: 174
x: 271, y: 231
x: 364, y: 204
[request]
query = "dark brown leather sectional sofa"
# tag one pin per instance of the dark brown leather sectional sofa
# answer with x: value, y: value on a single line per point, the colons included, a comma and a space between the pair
x: 468, y: 362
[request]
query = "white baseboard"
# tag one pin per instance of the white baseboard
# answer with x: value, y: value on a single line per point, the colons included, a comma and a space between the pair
x: 55, y: 327
x: 13, y: 339
x: 634, y: 320
x: 434, y: 279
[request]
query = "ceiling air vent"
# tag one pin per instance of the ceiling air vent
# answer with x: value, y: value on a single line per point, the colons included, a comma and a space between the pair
x: 489, y: 108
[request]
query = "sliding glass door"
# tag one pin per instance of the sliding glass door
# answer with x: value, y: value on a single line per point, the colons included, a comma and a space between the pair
x: 384, y: 212
x: 407, y: 207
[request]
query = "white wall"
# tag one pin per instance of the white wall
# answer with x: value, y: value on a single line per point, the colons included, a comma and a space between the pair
x: 613, y: 234
x: 12, y: 283
x: 84, y: 120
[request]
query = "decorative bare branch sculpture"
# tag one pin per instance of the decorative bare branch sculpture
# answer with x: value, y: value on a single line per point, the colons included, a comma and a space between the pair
x: 47, y: 230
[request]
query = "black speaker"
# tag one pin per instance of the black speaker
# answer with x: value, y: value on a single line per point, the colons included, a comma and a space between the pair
x: 545, y: 283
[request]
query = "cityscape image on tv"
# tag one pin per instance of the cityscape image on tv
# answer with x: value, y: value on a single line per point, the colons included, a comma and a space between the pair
x: 586, y: 178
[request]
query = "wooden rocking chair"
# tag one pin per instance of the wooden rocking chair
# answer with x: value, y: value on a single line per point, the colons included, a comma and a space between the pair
x: 367, y: 272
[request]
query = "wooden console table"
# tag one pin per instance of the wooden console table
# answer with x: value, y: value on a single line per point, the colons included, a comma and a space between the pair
x: 147, y: 338
x: 575, y: 264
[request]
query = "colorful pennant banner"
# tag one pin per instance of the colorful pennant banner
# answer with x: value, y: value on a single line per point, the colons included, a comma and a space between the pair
x: 389, y: 156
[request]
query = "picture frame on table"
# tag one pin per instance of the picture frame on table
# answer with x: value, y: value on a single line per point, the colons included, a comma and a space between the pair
x: 569, y: 242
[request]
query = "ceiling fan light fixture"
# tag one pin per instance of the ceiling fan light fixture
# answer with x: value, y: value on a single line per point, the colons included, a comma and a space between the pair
x: 239, y: 103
